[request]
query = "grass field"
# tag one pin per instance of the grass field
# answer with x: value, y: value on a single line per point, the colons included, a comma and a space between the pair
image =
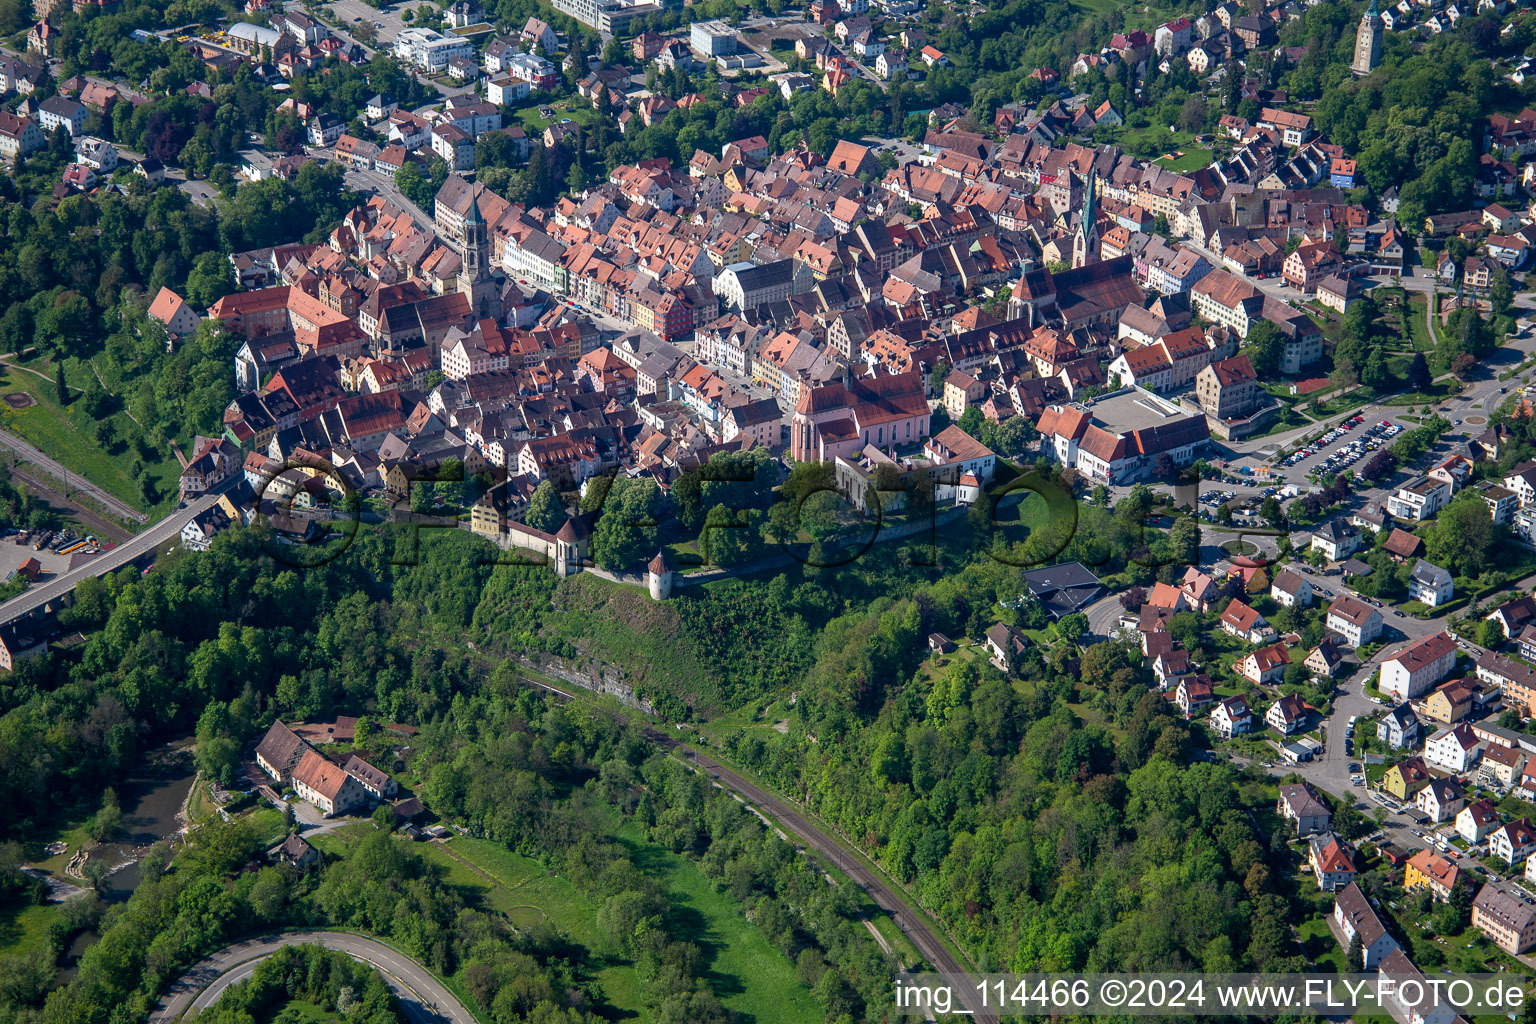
x: 23, y: 929
x: 527, y: 893
x: 746, y: 971
x: 1418, y: 330
x: 67, y: 434
x: 748, y: 974
x: 638, y: 634
x: 579, y: 111
x: 1191, y: 158
x: 299, y: 1011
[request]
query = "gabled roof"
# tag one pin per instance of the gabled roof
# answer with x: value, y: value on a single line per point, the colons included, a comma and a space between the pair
x: 1403, y: 544
x: 1352, y: 610
x: 1301, y: 802
x: 1241, y: 617
x: 320, y: 774
x: 1424, y: 652
x: 1288, y: 582
x: 1351, y: 904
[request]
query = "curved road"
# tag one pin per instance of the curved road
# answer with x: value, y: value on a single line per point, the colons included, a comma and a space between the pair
x: 916, y: 929
x: 422, y: 997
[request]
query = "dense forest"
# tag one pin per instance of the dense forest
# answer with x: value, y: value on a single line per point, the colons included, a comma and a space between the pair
x: 1051, y: 822
x: 221, y: 643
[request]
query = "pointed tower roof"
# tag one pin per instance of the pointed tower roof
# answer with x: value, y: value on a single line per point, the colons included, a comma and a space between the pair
x: 661, y: 563
x: 473, y: 214
x: 1090, y: 201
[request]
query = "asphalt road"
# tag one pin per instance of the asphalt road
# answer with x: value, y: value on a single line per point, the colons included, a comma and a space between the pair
x: 854, y: 867
x: 166, y: 530
x: 422, y: 997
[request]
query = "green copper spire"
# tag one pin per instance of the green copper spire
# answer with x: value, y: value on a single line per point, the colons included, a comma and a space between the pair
x: 1090, y: 203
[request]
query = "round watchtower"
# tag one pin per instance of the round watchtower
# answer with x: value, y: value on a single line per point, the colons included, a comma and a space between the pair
x: 658, y: 573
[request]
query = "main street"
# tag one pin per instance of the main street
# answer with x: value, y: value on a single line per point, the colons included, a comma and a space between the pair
x: 424, y: 999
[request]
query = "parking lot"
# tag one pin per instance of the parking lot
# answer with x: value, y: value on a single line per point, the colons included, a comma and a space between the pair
x: 387, y: 21
x: 1341, y: 448
x: 13, y: 552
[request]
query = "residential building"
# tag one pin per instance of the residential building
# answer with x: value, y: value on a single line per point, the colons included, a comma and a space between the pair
x: 1430, y: 584
x: 19, y: 136
x: 749, y: 285
x: 1228, y: 389
x: 295, y: 851
x: 1291, y: 590
x: 1508, y: 921
x: 1411, y: 671
x: 1336, y: 539
x: 1512, y: 842
x: 1300, y: 806
x: 1428, y: 870
x: 1193, y: 695
x: 1245, y: 623
x: 1265, y: 666
x: 62, y: 112
x: 1500, y: 767
x: 172, y: 311
x: 1477, y: 820
x: 323, y: 784
x: 1324, y: 660
x: 1356, y: 918
x: 1005, y: 645
x: 1287, y: 715
x: 1441, y: 799
x: 279, y: 751
x: 1450, y: 702
x: 1231, y: 717
x: 1515, y: 679
x: 379, y: 784
x: 1332, y: 861
x: 1399, y: 727
x: 1406, y: 778
x: 429, y: 49
x: 1419, y: 499
x: 1513, y: 615
x: 961, y: 391
x: 1353, y: 620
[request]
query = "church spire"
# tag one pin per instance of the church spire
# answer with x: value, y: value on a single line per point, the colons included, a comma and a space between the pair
x: 1085, y: 244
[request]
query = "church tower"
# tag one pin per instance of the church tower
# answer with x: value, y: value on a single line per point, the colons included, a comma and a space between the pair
x: 475, y: 282
x: 1367, y: 41
x: 1085, y: 244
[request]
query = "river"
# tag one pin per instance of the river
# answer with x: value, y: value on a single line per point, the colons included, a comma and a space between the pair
x: 153, y: 802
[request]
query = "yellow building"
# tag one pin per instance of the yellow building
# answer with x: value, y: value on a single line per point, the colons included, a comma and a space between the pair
x: 1428, y: 870
x: 1406, y: 778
